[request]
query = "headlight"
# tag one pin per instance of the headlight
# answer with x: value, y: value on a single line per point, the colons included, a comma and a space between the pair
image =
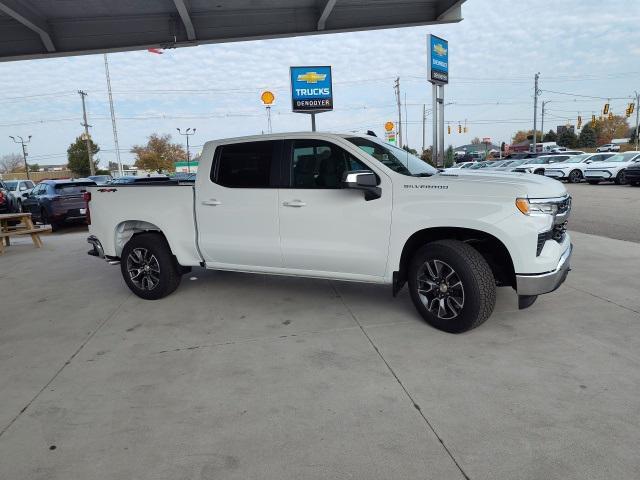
x: 535, y: 207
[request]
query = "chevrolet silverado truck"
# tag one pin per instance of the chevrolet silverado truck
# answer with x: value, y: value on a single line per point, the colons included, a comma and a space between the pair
x: 341, y: 207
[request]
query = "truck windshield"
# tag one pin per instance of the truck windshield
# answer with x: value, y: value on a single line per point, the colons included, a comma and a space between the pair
x: 395, y: 158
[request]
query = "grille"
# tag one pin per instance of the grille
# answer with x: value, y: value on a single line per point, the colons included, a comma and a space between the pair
x: 558, y: 233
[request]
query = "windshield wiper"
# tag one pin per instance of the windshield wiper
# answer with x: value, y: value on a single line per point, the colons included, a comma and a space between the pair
x: 423, y: 174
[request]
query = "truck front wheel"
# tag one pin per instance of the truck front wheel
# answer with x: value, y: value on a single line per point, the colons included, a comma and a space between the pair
x: 451, y: 286
x: 148, y: 266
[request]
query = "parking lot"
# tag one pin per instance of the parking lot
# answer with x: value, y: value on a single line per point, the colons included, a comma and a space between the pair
x: 250, y: 376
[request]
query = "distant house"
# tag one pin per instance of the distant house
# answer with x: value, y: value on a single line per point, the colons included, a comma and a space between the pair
x: 480, y: 148
x: 51, y: 168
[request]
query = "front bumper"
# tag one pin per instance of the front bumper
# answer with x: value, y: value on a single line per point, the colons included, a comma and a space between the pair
x: 558, y: 174
x: 537, y: 284
x: 598, y: 175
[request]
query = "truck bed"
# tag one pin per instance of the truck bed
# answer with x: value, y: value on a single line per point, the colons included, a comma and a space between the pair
x: 165, y: 206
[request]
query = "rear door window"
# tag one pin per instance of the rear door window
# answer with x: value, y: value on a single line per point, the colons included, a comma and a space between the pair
x: 247, y: 165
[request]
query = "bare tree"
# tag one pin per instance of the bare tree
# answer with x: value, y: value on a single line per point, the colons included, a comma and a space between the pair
x: 11, y: 163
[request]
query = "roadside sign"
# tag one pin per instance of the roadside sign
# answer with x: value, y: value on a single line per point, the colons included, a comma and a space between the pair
x: 390, y: 137
x: 267, y: 97
x: 311, y: 89
x: 438, y: 61
x: 389, y: 126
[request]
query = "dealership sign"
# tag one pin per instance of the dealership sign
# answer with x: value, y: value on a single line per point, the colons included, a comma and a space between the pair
x: 311, y: 89
x: 438, y: 60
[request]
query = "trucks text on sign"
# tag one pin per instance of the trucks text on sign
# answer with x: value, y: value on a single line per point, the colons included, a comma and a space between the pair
x: 311, y: 89
x: 438, y: 59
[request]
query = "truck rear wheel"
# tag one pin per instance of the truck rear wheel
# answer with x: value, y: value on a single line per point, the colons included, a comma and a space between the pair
x: 451, y: 286
x: 148, y: 266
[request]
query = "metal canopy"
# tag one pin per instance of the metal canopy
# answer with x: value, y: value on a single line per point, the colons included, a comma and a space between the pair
x: 54, y: 28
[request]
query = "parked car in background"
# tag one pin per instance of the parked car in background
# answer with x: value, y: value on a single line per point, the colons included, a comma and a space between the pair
x: 572, y: 169
x: 101, y: 179
x: 8, y: 202
x: 19, y: 189
x: 609, y: 147
x: 538, y: 165
x: 632, y: 174
x: 132, y: 179
x: 509, y: 165
x: 56, y: 202
x: 612, y: 169
x: 567, y: 152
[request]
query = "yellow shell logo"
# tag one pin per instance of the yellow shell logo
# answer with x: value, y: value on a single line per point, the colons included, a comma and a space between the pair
x: 312, y: 77
x: 439, y: 49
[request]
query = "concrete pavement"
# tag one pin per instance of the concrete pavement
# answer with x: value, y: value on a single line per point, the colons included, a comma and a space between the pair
x: 250, y: 376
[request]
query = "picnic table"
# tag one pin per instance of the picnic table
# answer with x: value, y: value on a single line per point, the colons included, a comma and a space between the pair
x: 25, y: 226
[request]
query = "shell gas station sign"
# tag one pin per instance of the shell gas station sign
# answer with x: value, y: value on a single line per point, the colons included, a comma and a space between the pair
x: 390, y: 132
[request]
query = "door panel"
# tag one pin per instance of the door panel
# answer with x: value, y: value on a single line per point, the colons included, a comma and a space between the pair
x: 237, y: 208
x: 325, y: 228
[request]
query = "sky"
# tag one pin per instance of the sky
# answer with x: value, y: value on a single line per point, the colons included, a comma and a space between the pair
x: 586, y: 47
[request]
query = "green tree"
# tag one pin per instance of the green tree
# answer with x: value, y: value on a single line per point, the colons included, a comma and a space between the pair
x: 159, y: 154
x: 427, y: 157
x: 587, y: 138
x: 78, y: 161
x: 448, y: 157
x: 568, y: 139
x: 550, y: 136
x: 412, y: 151
x: 34, y: 167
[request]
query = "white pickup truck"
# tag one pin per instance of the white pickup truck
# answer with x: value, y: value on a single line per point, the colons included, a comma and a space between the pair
x: 342, y: 207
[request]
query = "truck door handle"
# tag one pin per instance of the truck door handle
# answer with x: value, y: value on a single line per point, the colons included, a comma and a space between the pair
x: 211, y: 202
x: 294, y: 203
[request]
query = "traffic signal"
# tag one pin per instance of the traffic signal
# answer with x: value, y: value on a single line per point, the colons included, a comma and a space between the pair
x: 465, y: 129
x: 593, y: 120
x: 605, y: 110
x: 627, y: 111
x: 610, y: 116
x: 449, y: 129
x: 631, y: 107
x: 459, y: 128
x: 579, y: 122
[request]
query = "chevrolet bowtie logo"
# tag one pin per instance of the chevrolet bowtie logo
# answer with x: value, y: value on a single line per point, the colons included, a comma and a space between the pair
x: 312, y: 77
x: 439, y: 49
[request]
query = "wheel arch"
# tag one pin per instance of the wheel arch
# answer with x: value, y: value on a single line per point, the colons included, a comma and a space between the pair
x: 125, y: 230
x: 490, y: 247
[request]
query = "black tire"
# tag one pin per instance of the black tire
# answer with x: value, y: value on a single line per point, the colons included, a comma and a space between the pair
x: 470, y: 270
x: 44, y: 219
x: 575, y: 176
x: 634, y: 184
x: 593, y: 182
x: 621, y: 178
x: 160, y: 260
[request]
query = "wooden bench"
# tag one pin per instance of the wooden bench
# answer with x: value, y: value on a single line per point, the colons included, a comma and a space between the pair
x: 24, y: 227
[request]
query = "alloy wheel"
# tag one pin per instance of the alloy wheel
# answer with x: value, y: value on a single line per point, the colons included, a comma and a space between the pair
x: 440, y: 289
x: 143, y: 268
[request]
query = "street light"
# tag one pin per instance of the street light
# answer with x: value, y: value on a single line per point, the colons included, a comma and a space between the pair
x: 187, y: 133
x: 24, y: 150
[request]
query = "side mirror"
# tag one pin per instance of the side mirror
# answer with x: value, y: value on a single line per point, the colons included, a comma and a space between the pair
x: 362, y: 180
x: 25, y: 195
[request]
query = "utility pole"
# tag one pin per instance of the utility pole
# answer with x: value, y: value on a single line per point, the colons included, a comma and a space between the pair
x: 24, y: 150
x: 397, y: 89
x: 86, y: 126
x: 637, y: 116
x: 544, y: 102
x: 113, y: 115
x: 187, y: 133
x: 424, y: 120
x: 536, y: 92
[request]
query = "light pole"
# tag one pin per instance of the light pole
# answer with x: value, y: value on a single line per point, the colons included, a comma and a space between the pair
x: 187, y: 133
x: 24, y: 150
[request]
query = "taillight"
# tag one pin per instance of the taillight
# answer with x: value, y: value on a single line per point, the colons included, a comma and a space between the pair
x: 87, y: 199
